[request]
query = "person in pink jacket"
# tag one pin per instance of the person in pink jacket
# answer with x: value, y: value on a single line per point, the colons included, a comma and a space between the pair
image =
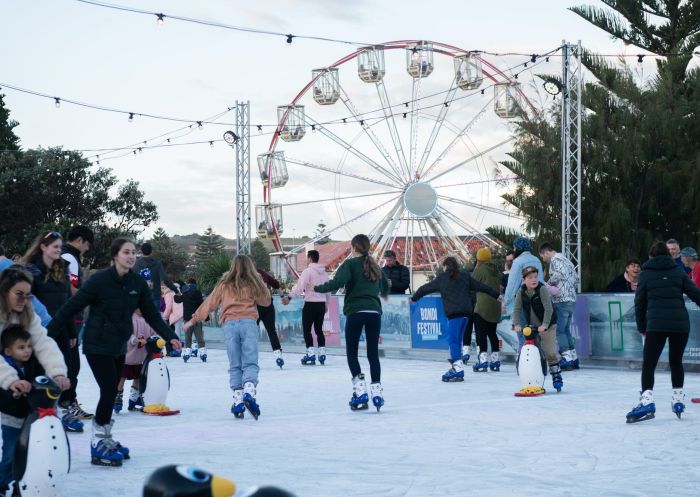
x: 135, y: 355
x: 173, y: 311
x: 315, y: 306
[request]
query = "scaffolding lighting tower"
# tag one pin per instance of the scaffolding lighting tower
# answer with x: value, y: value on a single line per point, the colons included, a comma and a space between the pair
x: 242, y: 148
x: 572, y: 77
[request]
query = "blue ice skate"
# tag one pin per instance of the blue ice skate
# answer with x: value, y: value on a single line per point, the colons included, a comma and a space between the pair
x: 557, y: 381
x: 377, y: 393
x: 72, y: 424
x: 249, y: 400
x: 677, y: 402
x: 105, y: 453
x: 495, y: 366
x: 309, y: 358
x: 195, y: 351
x: 455, y: 373
x: 238, y: 407
x: 641, y: 413
x: 465, y: 354
x: 322, y: 355
x: 136, y: 405
x: 360, y: 399
x: 482, y: 364
x: 118, y: 403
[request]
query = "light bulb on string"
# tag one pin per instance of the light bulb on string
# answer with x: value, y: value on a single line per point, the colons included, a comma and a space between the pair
x: 290, y: 37
x: 313, y: 128
x: 211, y: 144
x: 160, y: 20
x: 199, y: 125
x: 57, y: 102
x: 259, y: 129
x: 131, y: 117
x: 140, y: 150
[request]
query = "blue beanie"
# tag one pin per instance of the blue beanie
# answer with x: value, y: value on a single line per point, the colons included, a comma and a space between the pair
x: 523, y: 244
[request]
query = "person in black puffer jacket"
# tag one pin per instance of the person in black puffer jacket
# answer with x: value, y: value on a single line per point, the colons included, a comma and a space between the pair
x: 52, y: 287
x: 397, y: 274
x: 455, y: 287
x: 661, y: 315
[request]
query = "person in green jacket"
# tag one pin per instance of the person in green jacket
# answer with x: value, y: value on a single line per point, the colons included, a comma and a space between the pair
x: 112, y: 294
x: 364, y: 282
x: 487, y: 312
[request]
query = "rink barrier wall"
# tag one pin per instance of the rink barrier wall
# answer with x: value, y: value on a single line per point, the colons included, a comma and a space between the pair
x: 603, y: 325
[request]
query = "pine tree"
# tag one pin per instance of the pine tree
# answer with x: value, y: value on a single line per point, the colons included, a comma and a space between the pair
x: 174, y: 259
x: 639, y: 144
x: 260, y: 254
x: 208, y: 245
x: 8, y: 139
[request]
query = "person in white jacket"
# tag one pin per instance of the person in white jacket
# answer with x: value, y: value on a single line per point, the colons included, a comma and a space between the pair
x: 315, y: 306
x: 15, y: 308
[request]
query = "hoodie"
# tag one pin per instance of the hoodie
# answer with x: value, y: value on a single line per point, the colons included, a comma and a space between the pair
x: 158, y: 275
x: 313, y: 275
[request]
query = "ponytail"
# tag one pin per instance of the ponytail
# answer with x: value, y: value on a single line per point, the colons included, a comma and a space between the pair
x: 361, y: 245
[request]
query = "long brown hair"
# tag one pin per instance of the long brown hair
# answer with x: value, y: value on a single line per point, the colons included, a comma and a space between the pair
x: 243, y: 279
x: 451, y: 267
x: 360, y: 244
x: 9, y: 278
x: 57, y: 269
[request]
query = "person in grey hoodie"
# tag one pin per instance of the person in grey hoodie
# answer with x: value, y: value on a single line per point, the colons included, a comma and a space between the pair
x: 315, y: 306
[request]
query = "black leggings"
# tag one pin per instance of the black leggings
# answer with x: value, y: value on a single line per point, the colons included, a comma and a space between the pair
x: 467, y: 337
x: 107, y: 371
x: 312, y: 315
x: 71, y: 356
x: 653, y: 346
x: 372, y: 323
x: 267, y: 316
x: 485, y: 329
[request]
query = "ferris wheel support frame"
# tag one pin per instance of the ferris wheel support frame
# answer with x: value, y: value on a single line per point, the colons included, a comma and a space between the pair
x: 572, y: 77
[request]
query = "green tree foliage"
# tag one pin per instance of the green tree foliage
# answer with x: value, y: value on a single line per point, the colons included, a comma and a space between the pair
x: 8, y: 139
x: 174, y: 259
x: 208, y: 245
x: 210, y: 270
x: 260, y: 255
x: 320, y: 231
x: 640, y: 151
x: 53, y: 189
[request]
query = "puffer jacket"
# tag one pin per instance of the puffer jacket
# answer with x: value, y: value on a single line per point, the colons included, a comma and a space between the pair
x: 53, y: 294
x: 455, y: 293
x: 659, y: 305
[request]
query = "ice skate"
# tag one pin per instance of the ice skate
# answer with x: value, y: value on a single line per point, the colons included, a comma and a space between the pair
x: 465, y: 354
x: 278, y: 358
x: 455, y: 373
x: 644, y: 410
x: 678, y: 402
x: 118, y: 402
x: 482, y: 364
x: 495, y: 364
x: 377, y: 394
x: 566, y: 362
x: 203, y: 354
x: 186, y: 354
x: 77, y: 411
x: 71, y: 423
x: 557, y: 381
x: 249, y: 399
x: 322, y: 355
x: 574, y: 359
x: 359, y: 398
x: 135, y: 400
x: 309, y: 358
x: 103, y: 449
x: 238, y: 407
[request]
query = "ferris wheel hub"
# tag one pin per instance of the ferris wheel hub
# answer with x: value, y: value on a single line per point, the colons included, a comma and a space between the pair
x: 420, y: 199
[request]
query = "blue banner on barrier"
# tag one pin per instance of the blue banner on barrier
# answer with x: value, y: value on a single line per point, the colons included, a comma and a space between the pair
x: 428, y: 324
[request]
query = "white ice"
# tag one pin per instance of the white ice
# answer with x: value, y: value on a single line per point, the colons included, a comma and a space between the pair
x: 431, y: 438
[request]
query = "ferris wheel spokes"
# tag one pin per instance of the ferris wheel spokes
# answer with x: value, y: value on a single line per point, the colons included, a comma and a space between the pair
x: 350, y: 148
x: 342, y: 173
x: 448, y: 236
x: 382, y: 238
x: 345, y: 98
x: 332, y: 199
x: 468, y: 228
x: 378, y: 232
x: 433, y: 261
x: 463, y: 132
x: 470, y: 159
x: 487, y: 208
x: 413, y: 136
x: 391, y: 124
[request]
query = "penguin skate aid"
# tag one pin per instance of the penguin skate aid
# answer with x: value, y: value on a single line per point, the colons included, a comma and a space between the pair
x: 534, y: 303
x: 190, y: 481
x: 455, y: 286
x: 106, y: 335
x: 238, y: 294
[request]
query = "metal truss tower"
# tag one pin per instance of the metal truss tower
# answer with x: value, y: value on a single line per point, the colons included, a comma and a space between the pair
x: 572, y: 77
x: 243, y: 178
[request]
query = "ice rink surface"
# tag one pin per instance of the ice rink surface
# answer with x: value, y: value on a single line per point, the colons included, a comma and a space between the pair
x: 430, y: 439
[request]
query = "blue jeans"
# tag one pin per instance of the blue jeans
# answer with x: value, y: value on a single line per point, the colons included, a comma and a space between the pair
x: 241, y: 337
x: 10, y: 436
x: 455, y: 328
x: 564, y: 311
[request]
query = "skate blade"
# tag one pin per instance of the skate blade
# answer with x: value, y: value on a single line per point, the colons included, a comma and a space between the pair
x: 679, y: 415
x: 255, y: 412
x: 239, y: 415
x: 452, y: 380
x: 105, y: 462
x: 631, y: 420
x: 359, y: 407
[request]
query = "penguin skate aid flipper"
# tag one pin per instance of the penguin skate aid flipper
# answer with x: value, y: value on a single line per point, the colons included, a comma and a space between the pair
x: 159, y: 410
x: 530, y: 391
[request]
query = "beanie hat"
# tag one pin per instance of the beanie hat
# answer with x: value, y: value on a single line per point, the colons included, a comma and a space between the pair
x: 483, y: 254
x: 523, y: 244
x: 689, y: 252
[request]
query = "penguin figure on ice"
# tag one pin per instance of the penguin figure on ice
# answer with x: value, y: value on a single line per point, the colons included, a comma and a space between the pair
x: 154, y: 382
x: 531, y: 366
x: 186, y: 481
x: 42, y: 454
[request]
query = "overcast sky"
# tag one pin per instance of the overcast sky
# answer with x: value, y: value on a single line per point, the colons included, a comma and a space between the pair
x: 123, y: 60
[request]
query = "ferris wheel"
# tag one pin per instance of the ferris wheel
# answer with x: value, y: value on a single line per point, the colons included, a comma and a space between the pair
x: 397, y: 145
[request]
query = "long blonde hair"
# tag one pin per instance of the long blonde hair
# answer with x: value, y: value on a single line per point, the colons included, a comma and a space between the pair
x: 57, y: 269
x: 243, y: 279
x: 371, y: 270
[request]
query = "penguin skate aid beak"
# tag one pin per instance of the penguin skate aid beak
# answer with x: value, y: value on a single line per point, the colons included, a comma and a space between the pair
x: 49, y: 386
x: 527, y: 331
x: 221, y: 487
x: 160, y: 343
